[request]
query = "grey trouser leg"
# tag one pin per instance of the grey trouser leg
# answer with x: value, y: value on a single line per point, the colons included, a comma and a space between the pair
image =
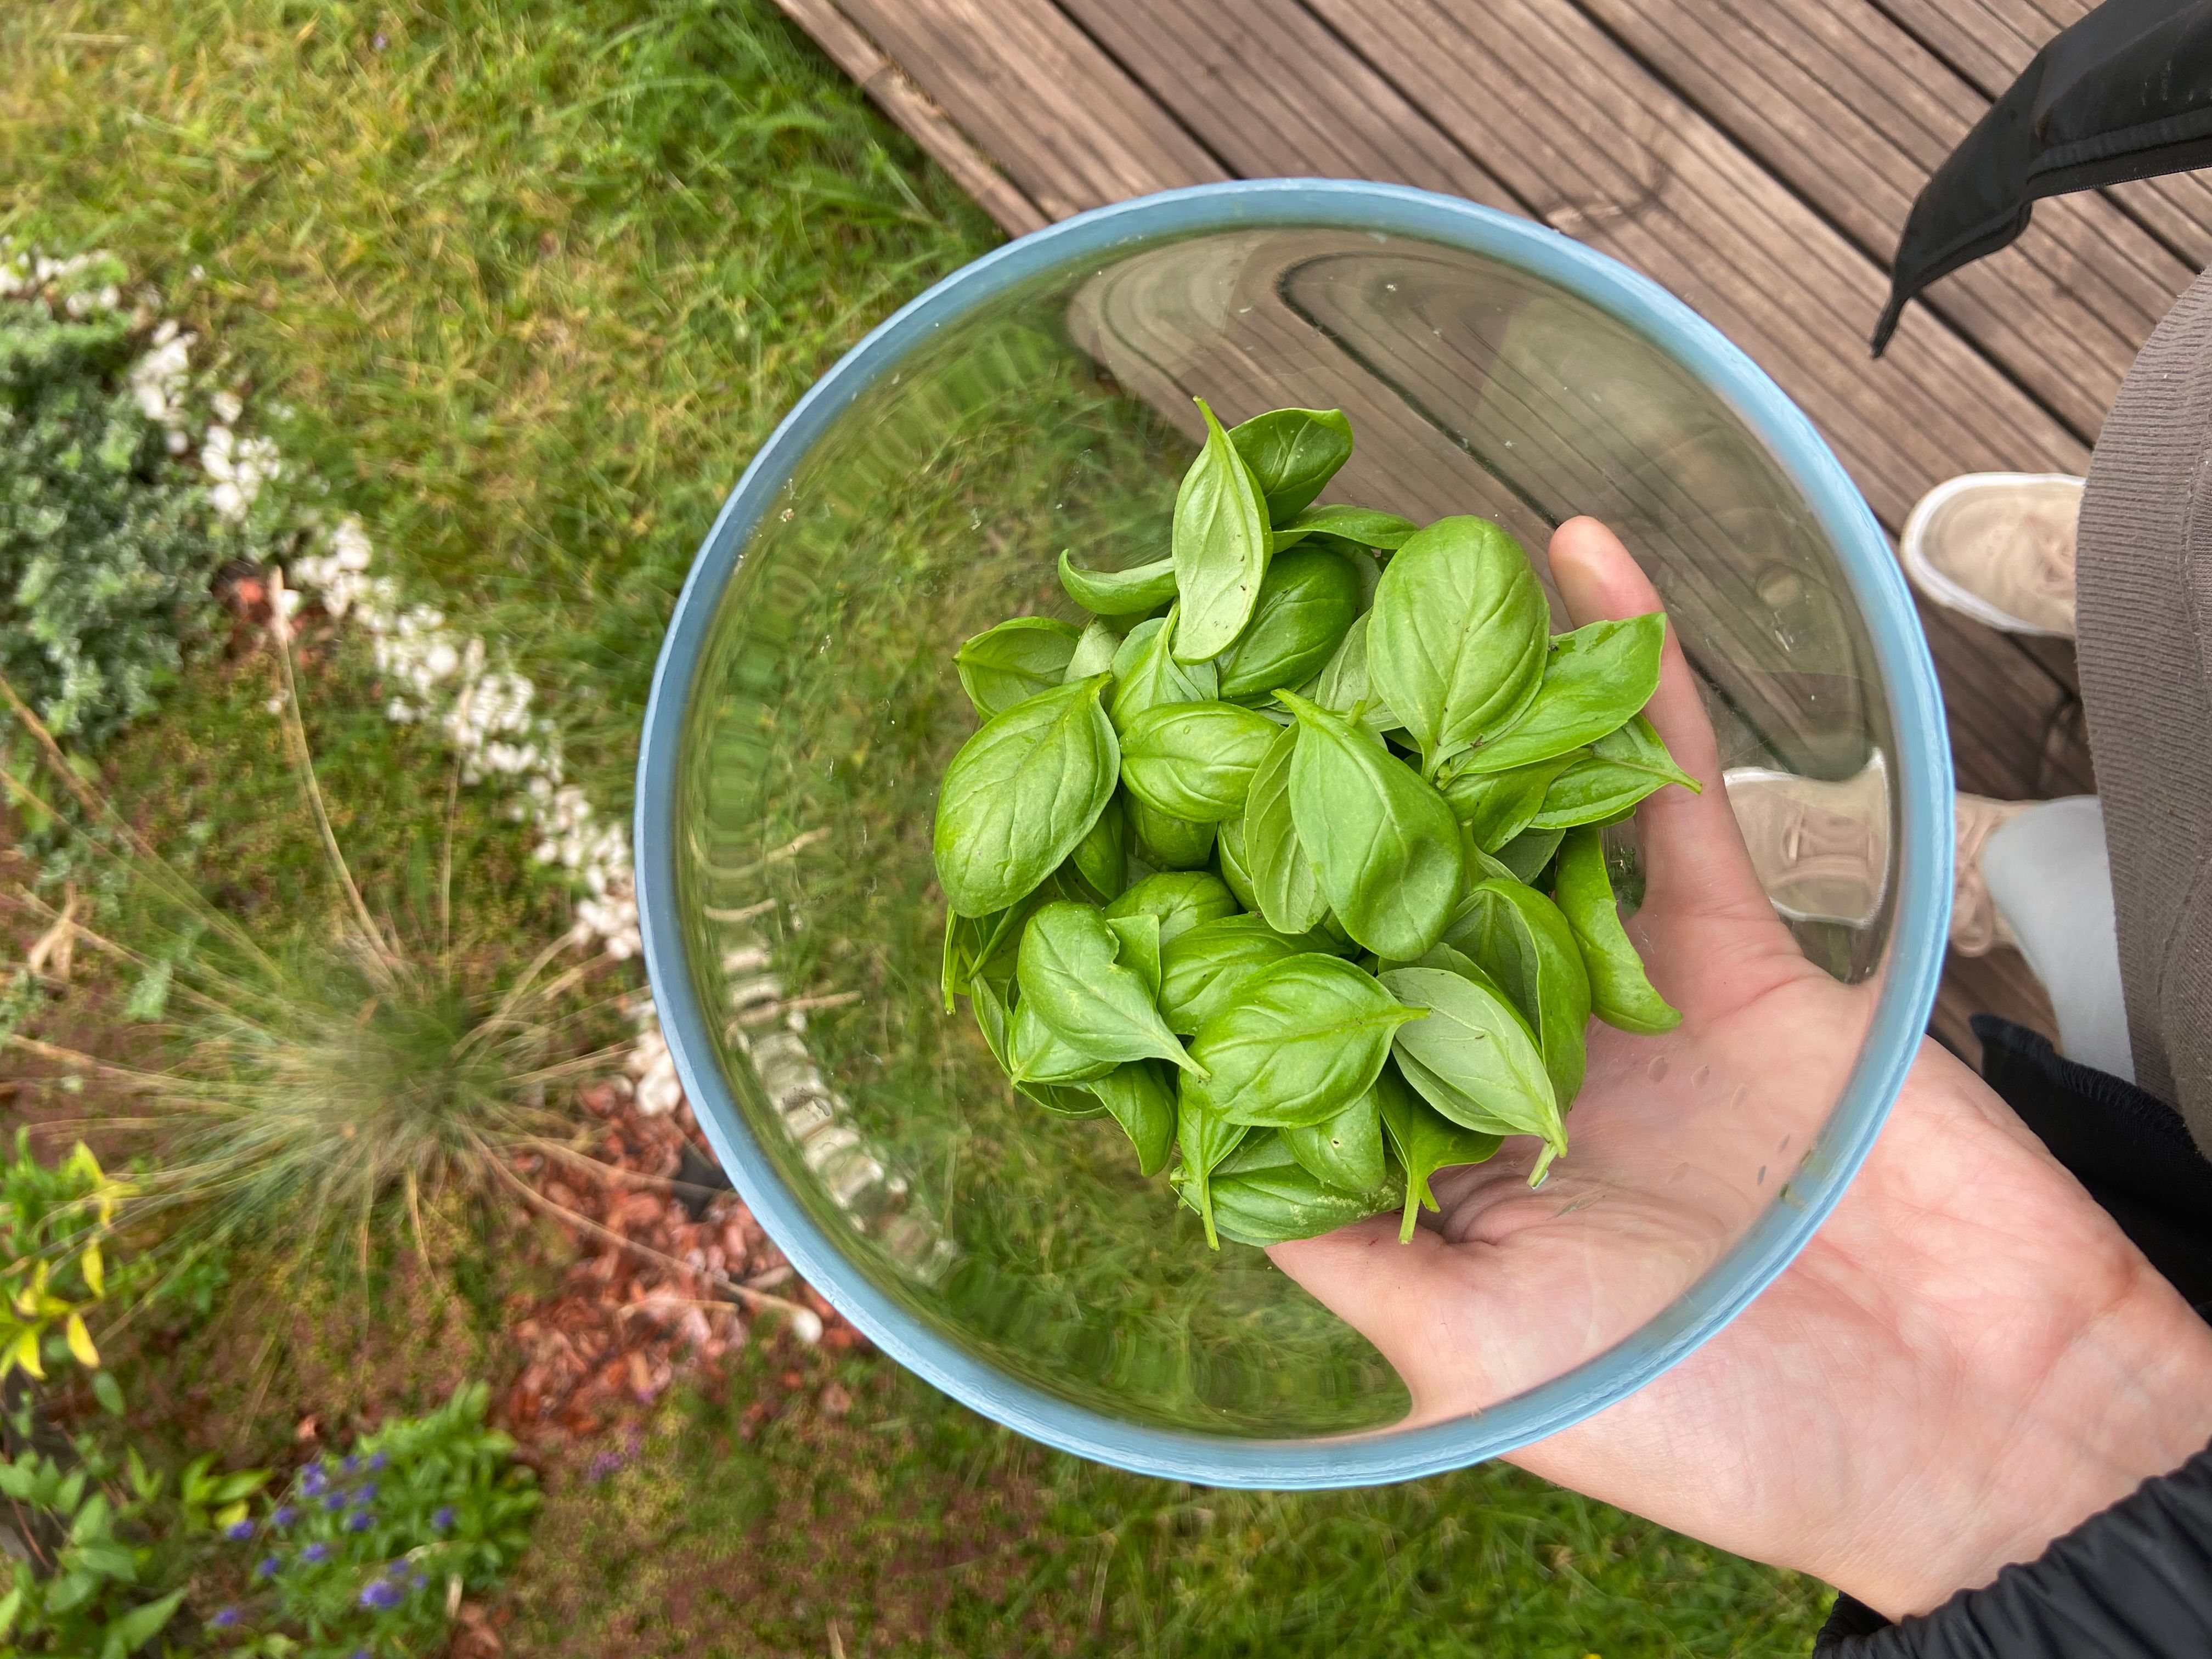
x: 2144, y: 588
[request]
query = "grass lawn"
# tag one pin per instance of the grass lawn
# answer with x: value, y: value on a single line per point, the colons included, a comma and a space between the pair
x: 529, y: 281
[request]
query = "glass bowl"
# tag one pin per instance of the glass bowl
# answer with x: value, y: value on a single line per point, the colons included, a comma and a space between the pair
x: 806, y: 705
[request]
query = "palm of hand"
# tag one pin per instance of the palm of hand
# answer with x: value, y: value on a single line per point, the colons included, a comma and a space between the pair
x: 1938, y: 1316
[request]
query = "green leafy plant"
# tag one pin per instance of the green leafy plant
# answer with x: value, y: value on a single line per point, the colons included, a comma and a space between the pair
x: 372, y: 1551
x: 87, y: 1583
x: 1392, y: 963
x: 53, y: 1271
x: 107, y: 542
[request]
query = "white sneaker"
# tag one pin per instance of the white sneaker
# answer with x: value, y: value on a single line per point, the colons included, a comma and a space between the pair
x: 1998, y: 546
x: 1821, y: 849
x: 1977, y: 927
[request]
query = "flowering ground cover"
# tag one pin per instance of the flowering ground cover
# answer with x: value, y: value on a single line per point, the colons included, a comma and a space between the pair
x: 464, y: 316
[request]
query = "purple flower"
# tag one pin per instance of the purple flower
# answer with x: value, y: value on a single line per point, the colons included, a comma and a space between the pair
x: 382, y: 1595
x: 238, y: 1531
x: 268, y: 1567
x: 351, y: 1464
x: 336, y: 1500
x: 313, y: 1480
x: 444, y: 1517
x: 225, y: 1618
x: 377, y: 1462
x: 366, y: 1494
x: 421, y: 1579
x: 316, y: 1551
x: 360, y: 1521
x: 285, y: 1516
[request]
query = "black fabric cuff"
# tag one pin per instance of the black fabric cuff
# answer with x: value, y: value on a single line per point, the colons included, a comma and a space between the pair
x: 2132, y: 1583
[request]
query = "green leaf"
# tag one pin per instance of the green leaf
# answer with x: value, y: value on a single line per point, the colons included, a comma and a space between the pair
x: 1102, y: 857
x: 1167, y: 843
x: 1346, y: 1152
x: 1425, y: 1141
x: 108, y: 1393
x: 1014, y: 661
x: 1284, y: 881
x: 1496, y: 806
x: 1146, y: 673
x: 1621, y: 994
x: 1293, y: 454
x: 1261, y: 1195
x: 1142, y: 1097
x: 1472, y: 1057
x: 11, y: 1604
x: 1525, y: 856
x: 1307, y: 600
x: 1219, y: 544
x: 1233, y: 858
x: 1072, y: 978
x: 1362, y: 525
x: 1205, y: 1136
x: 1456, y: 640
x: 1622, y: 768
x: 1594, y: 680
x: 1138, y: 939
x: 1297, y: 1041
x: 1094, y: 652
x: 1181, y: 899
x: 1383, y: 843
x: 1202, y: 968
x: 1194, y: 761
x: 1038, y: 1054
x: 1518, y: 937
x: 1132, y: 592
x: 1021, y: 795
x: 142, y: 1625
x: 1344, y: 687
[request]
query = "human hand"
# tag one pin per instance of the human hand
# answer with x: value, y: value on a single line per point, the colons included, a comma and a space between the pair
x: 1968, y: 1360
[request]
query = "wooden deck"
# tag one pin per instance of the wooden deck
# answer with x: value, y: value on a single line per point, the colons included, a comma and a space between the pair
x: 1757, y: 157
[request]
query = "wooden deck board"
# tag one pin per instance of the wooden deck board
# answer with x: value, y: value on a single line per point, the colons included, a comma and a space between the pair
x: 1755, y: 156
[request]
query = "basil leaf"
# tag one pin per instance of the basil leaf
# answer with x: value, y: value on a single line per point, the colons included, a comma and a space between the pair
x: 1035, y: 1054
x: 1293, y: 454
x: 1457, y: 641
x: 1496, y: 806
x: 1140, y: 1095
x: 1299, y: 1041
x: 1345, y: 686
x: 1234, y: 860
x: 1205, y: 1136
x: 1262, y: 1196
x: 1472, y: 1057
x: 1014, y: 661
x: 1130, y: 592
x: 996, y: 1023
x: 1525, y: 856
x: 1620, y: 992
x: 1622, y: 768
x: 1518, y: 937
x: 1094, y: 652
x: 1346, y: 1152
x: 1425, y: 1141
x: 964, y: 948
x: 1073, y: 980
x: 1021, y: 795
x: 1181, y: 899
x: 1202, y: 968
x: 1594, y: 679
x: 1382, y: 842
x: 1167, y: 843
x: 1219, y: 542
x: 1283, y: 878
x: 1138, y: 937
x: 1361, y: 526
x: 1194, y: 761
x: 1102, y: 857
x: 1307, y: 600
x: 1146, y: 673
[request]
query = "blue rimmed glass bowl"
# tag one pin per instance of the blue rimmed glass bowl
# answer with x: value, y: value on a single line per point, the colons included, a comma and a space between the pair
x: 806, y: 705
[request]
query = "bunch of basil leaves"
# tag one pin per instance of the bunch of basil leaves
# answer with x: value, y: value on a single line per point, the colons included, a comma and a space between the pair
x: 1290, y: 861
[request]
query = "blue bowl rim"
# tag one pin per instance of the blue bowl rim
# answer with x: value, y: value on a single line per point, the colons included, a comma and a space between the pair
x: 1921, y: 777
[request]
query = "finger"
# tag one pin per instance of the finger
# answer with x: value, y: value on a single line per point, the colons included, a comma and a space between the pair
x: 1410, y: 1300
x: 1691, y: 846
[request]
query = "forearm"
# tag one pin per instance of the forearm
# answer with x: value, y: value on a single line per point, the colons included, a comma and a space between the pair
x: 2134, y: 1582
